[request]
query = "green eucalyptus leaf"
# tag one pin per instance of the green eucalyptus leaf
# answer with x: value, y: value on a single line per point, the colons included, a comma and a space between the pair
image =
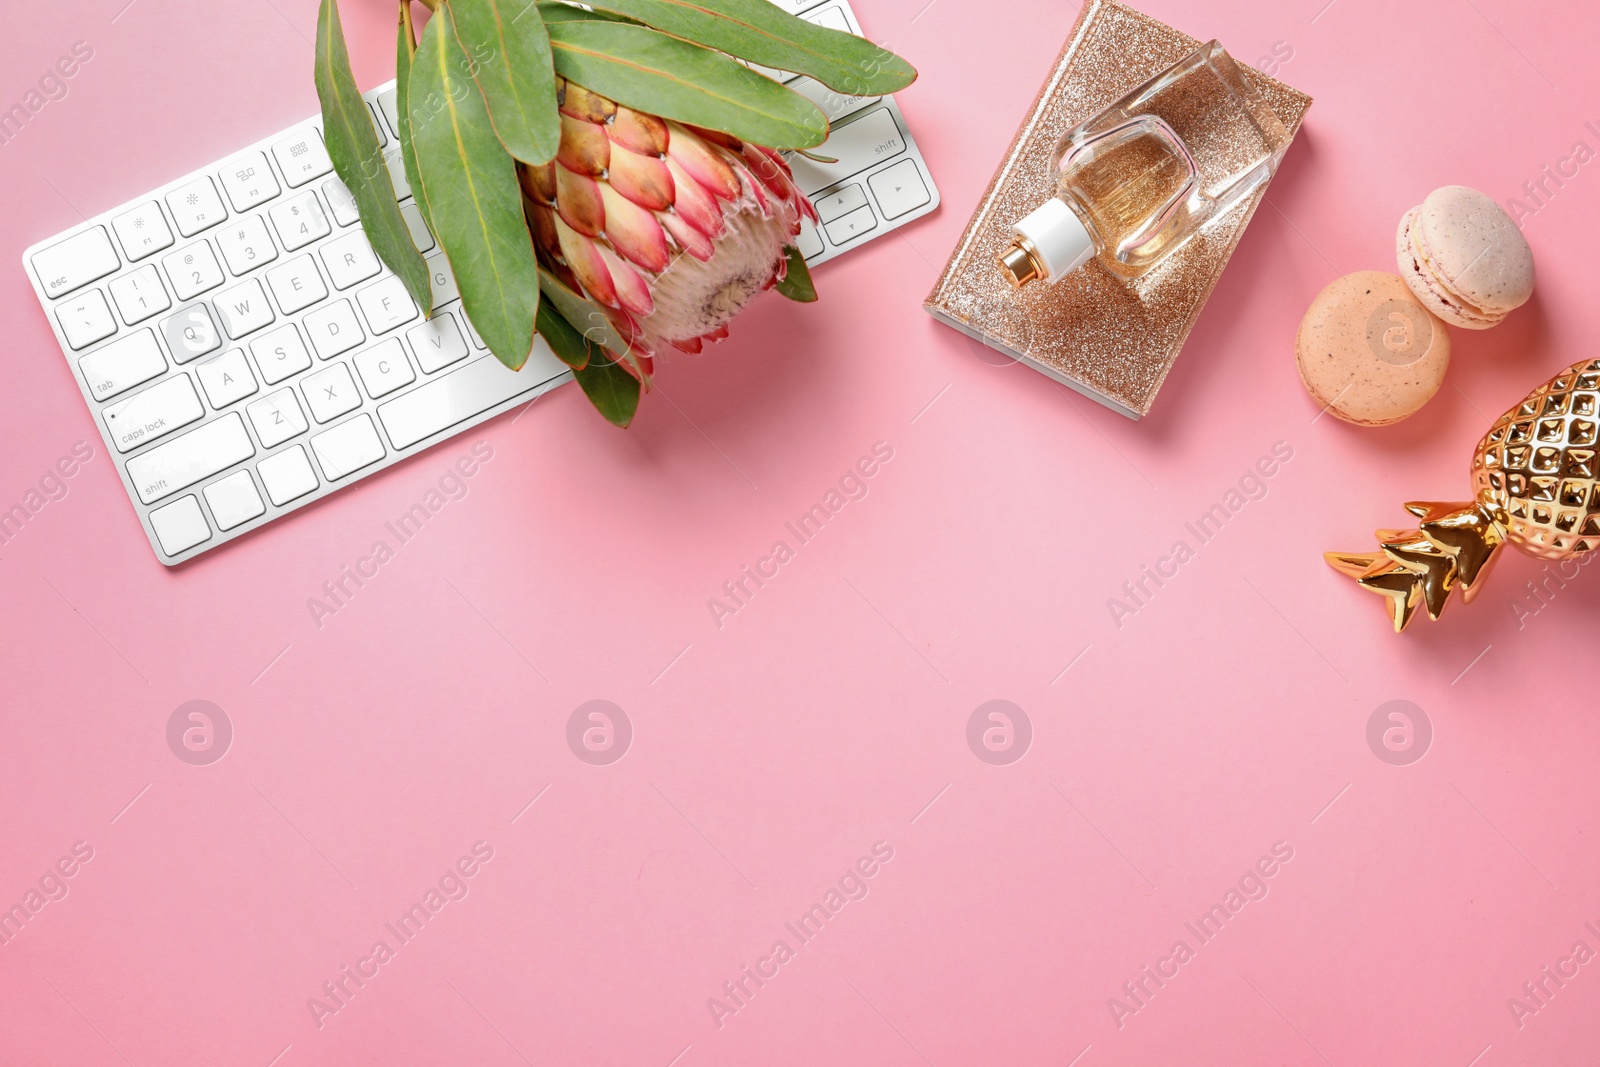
x: 565, y: 339
x: 761, y: 32
x: 796, y: 284
x: 677, y: 79
x: 357, y: 157
x: 561, y: 11
x: 473, y: 196
x: 613, y: 391
x: 580, y: 314
x: 510, y: 53
x: 405, y: 51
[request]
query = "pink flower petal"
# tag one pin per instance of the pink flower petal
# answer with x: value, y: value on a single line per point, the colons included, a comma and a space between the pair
x: 690, y: 239
x: 702, y: 162
x: 583, y: 256
x: 695, y: 203
x: 634, y: 232
x: 633, y: 292
x: 643, y: 179
x: 578, y: 202
x: 585, y: 148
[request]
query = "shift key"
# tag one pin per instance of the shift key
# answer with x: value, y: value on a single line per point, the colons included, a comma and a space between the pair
x: 194, y: 457
x: 861, y: 143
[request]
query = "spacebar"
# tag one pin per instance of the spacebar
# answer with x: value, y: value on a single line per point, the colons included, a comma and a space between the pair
x: 453, y: 398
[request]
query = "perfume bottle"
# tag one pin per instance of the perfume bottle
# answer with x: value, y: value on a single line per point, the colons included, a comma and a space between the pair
x: 1147, y: 173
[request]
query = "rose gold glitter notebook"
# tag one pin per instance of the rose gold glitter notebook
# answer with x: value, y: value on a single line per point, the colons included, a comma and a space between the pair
x: 1113, y: 341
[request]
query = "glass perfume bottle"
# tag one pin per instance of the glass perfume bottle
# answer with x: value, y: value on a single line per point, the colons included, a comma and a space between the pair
x: 1147, y: 173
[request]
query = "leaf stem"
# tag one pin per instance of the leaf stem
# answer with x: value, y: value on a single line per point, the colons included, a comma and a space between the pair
x: 410, y: 30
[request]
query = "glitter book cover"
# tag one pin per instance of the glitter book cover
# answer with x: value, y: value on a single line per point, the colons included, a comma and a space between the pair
x: 1110, y: 339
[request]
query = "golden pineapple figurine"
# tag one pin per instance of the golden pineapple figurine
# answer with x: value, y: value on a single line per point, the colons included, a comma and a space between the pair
x: 1537, y: 478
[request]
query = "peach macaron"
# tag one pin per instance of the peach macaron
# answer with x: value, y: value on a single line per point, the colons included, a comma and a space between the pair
x: 1369, y: 352
x: 1464, y: 258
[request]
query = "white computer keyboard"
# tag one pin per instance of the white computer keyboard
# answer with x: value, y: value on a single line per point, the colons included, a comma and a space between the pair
x: 245, y: 353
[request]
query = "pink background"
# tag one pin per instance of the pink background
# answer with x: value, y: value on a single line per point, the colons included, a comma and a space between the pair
x: 1228, y: 714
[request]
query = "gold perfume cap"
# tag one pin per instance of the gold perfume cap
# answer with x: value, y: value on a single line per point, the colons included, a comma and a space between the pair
x: 1018, y: 264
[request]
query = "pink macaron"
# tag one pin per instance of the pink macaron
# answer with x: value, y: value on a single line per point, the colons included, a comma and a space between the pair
x: 1464, y: 258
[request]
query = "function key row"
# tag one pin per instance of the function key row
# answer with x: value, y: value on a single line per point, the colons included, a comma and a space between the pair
x: 248, y: 181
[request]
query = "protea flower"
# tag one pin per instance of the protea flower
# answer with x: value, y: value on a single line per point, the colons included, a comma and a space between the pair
x: 669, y: 228
x: 597, y: 174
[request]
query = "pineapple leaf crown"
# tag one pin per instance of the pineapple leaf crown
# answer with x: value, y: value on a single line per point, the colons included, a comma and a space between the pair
x: 1455, y: 545
x: 1537, y: 476
x: 479, y: 100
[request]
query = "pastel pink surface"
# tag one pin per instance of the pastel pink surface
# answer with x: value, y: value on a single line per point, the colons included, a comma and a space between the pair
x: 769, y: 753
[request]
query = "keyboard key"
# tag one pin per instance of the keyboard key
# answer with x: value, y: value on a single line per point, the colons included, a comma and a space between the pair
x: 421, y: 236
x: 153, y: 413
x: 180, y: 526
x: 386, y: 304
x: 196, y: 206
x: 189, y: 458
x: 280, y: 353
x: 243, y: 308
x: 296, y: 284
x: 276, y: 417
x: 140, y: 295
x: 840, y: 203
x: 79, y: 260
x: 190, y: 333
x: 377, y: 126
x: 248, y: 181
x: 142, y: 231
x: 810, y: 241
x: 123, y: 364
x: 442, y: 280
x: 851, y: 226
x: 340, y: 202
x: 899, y: 189
x: 226, y: 378
x: 334, y: 329
x: 831, y: 17
x: 347, y: 447
x: 192, y: 270
x: 457, y: 396
x: 859, y: 144
x: 349, y: 259
x: 302, y: 157
x: 437, y: 342
x: 385, y: 368
x: 472, y: 331
x: 299, y: 221
x: 86, y: 318
x: 246, y: 244
x: 397, y: 174
x: 287, y: 476
x: 769, y: 72
x: 330, y: 392
x: 388, y: 103
x: 835, y: 105
x: 234, y: 500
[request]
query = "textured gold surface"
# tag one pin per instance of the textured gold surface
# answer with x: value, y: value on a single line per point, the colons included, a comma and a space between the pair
x: 1094, y: 331
x: 1537, y: 476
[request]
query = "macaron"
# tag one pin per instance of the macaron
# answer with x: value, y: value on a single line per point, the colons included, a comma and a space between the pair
x: 1464, y: 258
x: 1369, y: 352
